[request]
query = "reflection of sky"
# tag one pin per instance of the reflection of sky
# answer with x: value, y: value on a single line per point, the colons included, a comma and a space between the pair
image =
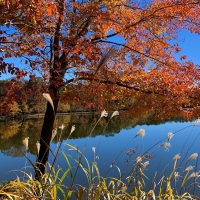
x: 11, y: 167
x: 113, y: 148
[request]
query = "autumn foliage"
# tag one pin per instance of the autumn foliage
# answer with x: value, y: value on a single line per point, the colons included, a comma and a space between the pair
x: 104, y: 49
x: 65, y: 41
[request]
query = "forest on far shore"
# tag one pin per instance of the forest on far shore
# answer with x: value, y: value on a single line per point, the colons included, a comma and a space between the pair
x: 29, y: 99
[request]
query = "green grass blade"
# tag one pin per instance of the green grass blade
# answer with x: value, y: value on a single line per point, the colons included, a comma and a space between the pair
x: 56, y: 175
x: 63, y: 177
x: 184, y: 179
x: 69, y: 194
x: 68, y: 163
x: 62, y: 191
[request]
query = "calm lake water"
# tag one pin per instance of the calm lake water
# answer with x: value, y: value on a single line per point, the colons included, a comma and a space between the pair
x: 115, y: 146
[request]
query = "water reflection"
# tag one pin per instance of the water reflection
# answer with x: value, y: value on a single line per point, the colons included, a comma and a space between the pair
x: 116, y: 145
x: 13, y: 132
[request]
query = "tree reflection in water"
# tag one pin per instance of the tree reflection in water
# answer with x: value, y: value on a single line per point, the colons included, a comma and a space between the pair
x: 140, y: 113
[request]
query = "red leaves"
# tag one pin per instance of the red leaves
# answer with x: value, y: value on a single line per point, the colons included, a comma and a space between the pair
x: 77, y: 99
x: 46, y: 77
x: 62, y: 18
x: 86, y: 75
x: 183, y: 57
x: 31, y: 76
x: 21, y: 74
x: 2, y: 66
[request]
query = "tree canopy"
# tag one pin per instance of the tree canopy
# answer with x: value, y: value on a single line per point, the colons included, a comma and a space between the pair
x: 117, y: 43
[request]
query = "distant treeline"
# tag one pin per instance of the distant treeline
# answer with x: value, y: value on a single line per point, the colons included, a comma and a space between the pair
x: 24, y: 98
x: 27, y: 98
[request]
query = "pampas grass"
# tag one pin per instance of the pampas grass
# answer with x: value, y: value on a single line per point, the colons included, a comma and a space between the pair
x: 141, y: 133
x: 54, y: 133
x: 194, y: 175
x: 104, y: 114
x: 49, y: 99
x: 138, y: 159
x: 145, y: 164
x: 189, y: 168
x: 197, y: 121
x: 115, y: 113
x: 192, y: 157
x: 170, y: 135
x: 166, y: 145
x: 25, y: 143
x: 38, y: 147
x: 177, y: 157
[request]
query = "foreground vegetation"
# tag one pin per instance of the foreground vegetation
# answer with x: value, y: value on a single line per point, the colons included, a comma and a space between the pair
x: 52, y: 186
x: 56, y: 183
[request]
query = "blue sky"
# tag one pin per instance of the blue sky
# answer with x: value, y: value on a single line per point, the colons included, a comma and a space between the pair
x: 189, y: 42
x: 190, y: 46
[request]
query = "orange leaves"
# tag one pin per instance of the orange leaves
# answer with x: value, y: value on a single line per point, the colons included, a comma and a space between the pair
x: 51, y: 9
x: 76, y: 50
x: 39, y: 2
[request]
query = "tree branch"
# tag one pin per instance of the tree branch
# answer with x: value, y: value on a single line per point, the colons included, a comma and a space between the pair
x: 144, y: 18
x: 118, y: 83
x: 143, y: 54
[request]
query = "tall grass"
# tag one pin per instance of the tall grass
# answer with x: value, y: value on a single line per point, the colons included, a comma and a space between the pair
x: 176, y: 181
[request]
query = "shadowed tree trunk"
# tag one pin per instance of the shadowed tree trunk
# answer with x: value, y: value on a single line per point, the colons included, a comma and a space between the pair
x: 45, y: 138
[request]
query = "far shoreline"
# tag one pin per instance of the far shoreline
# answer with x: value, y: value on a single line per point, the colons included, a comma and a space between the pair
x: 41, y: 115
